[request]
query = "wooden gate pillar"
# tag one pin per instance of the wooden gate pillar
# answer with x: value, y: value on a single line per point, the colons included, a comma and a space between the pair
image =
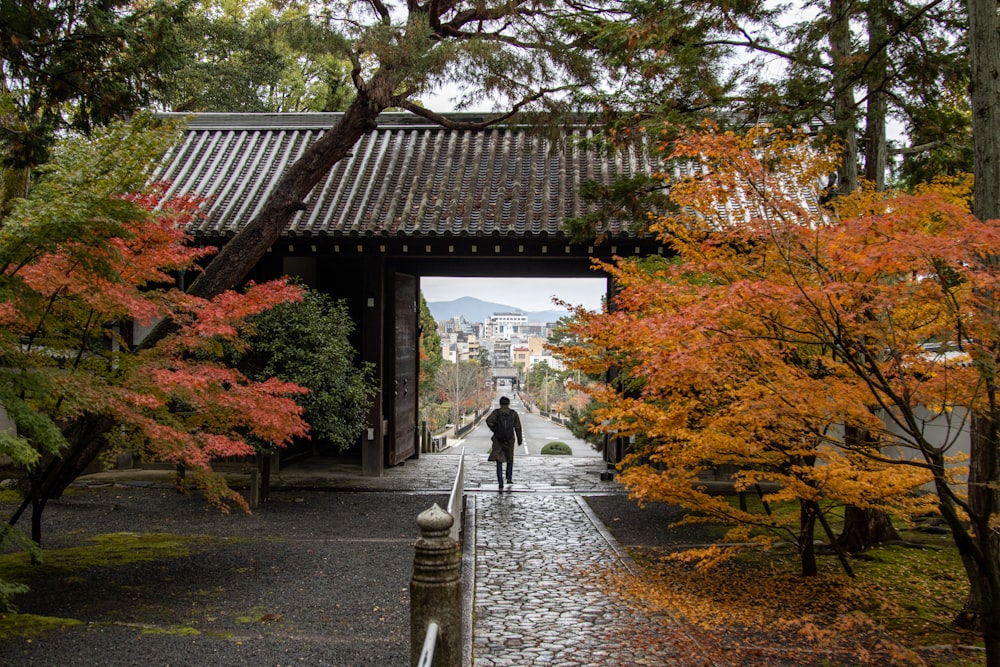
x: 373, y: 352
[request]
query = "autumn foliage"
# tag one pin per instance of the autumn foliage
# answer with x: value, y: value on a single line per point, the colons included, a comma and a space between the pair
x: 87, y: 265
x: 780, y: 325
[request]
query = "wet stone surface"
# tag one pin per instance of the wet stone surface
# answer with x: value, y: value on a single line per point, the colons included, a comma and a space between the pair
x: 537, y: 598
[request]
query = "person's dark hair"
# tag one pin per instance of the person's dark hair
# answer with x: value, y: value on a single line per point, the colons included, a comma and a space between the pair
x: 504, y: 400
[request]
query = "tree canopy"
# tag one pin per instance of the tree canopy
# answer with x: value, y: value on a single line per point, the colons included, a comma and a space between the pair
x: 780, y: 323
x: 79, y: 64
x: 253, y: 57
x: 91, y: 253
x: 844, y: 70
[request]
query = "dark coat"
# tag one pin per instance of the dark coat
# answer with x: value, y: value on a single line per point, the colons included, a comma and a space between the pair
x: 503, y: 450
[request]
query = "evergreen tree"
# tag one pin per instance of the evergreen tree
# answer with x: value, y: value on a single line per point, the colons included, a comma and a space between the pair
x: 79, y: 64
x: 307, y: 343
x: 250, y: 57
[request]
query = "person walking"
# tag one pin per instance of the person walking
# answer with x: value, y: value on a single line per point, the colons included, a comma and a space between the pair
x: 506, y: 426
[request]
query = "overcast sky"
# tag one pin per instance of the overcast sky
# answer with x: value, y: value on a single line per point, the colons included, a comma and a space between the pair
x: 524, y: 293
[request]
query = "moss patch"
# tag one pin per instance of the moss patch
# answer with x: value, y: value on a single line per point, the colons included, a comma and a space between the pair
x: 70, y: 566
x: 29, y: 626
x: 898, y: 607
x: 10, y: 497
x: 180, y: 631
x: 915, y: 592
x: 108, y: 550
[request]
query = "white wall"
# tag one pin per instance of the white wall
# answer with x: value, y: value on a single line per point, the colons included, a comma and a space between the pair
x: 950, y: 430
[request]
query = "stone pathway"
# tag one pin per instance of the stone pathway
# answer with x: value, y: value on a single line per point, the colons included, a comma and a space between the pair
x: 436, y: 473
x: 538, y: 599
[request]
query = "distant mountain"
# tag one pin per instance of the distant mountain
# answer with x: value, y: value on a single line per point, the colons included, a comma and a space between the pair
x: 477, y: 310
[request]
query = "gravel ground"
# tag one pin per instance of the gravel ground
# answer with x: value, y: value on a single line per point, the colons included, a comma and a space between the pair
x: 311, y: 578
x: 648, y: 525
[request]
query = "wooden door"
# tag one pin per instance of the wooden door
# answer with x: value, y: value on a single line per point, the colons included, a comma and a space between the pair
x: 404, y: 359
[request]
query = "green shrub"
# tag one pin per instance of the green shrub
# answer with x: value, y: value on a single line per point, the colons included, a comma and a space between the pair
x: 559, y: 448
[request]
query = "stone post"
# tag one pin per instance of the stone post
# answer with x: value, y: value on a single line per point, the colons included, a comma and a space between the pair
x: 436, y: 589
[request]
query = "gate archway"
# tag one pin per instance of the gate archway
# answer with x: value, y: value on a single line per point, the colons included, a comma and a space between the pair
x: 414, y: 199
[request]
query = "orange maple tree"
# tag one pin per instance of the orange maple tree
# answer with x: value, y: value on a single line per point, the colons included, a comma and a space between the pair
x: 779, y: 324
x: 82, y: 263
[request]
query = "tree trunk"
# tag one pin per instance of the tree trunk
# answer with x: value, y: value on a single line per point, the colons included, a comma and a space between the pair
x: 982, y: 607
x: 843, y: 94
x: 807, y: 539
x: 984, y: 87
x: 841, y: 554
x: 36, y: 524
x: 86, y: 438
x: 876, y: 155
x: 984, y: 492
x: 864, y: 529
x: 265, y: 476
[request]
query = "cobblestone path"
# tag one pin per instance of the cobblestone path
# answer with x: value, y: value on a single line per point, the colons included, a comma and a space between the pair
x: 536, y: 601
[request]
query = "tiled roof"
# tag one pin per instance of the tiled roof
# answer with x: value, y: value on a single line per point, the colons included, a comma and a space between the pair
x: 407, y: 178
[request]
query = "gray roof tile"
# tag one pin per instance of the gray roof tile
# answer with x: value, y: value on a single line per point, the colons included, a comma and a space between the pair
x: 407, y: 178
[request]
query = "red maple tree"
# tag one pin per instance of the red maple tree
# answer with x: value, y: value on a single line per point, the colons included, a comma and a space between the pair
x: 75, y: 284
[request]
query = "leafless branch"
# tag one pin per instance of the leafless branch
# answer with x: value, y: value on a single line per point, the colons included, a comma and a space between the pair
x: 452, y: 124
x: 381, y: 10
x: 455, y: 26
x: 359, y: 82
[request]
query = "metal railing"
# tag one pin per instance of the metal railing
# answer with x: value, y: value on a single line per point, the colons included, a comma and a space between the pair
x: 456, y: 501
x: 430, y: 643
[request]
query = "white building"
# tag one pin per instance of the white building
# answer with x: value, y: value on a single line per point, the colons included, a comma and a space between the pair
x: 555, y: 363
x: 504, y: 326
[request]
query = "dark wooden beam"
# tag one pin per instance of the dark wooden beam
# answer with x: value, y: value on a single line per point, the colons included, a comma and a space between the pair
x: 372, y: 351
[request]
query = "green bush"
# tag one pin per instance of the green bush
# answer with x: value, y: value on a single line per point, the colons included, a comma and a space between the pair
x: 308, y: 342
x: 559, y: 448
